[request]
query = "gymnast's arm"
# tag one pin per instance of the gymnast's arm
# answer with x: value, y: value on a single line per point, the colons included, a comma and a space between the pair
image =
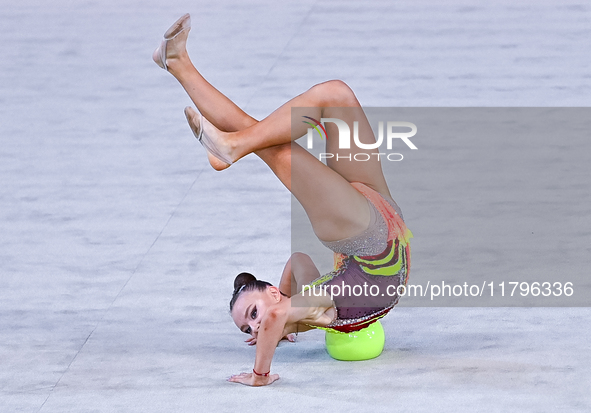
x: 276, y: 323
x: 271, y: 330
x: 299, y: 271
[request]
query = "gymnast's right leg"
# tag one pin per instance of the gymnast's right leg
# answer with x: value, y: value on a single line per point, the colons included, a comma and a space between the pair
x: 215, y: 106
x: 224, y: 114
x: 276, y: 150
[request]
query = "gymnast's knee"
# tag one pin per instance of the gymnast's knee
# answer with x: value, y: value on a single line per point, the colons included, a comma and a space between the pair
x: 335, y: 93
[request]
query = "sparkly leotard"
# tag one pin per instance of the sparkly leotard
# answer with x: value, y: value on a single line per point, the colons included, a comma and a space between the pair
x: 374, y: 263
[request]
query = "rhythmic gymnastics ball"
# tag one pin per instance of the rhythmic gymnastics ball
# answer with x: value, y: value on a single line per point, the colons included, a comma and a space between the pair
x: 364, y: 344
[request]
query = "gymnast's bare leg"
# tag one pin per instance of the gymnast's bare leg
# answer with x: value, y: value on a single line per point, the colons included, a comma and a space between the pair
x: 238, y: 134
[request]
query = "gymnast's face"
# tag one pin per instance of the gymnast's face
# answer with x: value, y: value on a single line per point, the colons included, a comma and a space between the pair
x: 250, y: 308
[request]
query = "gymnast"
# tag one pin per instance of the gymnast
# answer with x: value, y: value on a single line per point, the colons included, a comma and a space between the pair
x: 348, y: 203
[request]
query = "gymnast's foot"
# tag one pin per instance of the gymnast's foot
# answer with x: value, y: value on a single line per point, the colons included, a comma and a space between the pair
x: 173, y: 47
x: 209, y: 137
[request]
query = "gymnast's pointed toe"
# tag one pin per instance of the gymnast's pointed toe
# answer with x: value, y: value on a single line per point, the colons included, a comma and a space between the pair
x: 194, y: 120
x: 174, y: 44
x: 197, y: 124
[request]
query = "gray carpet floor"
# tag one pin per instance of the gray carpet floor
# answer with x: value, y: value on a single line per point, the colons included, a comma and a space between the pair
x: 118, y: 243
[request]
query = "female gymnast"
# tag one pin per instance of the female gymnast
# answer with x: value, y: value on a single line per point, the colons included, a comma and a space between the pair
x: 347, y: 201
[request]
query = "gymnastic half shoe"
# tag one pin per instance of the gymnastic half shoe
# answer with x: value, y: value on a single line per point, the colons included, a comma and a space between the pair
x: 174, y: 43
x: 198, y: 126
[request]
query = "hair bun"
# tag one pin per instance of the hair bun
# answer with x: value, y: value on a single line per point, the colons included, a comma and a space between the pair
x: 242, y: 279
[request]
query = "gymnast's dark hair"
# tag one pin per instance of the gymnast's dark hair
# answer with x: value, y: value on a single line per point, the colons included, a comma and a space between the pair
x: 246, y: 282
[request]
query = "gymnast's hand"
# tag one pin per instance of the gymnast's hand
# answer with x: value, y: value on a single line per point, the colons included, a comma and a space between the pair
x: 290, y: 337
x: 251, y: 379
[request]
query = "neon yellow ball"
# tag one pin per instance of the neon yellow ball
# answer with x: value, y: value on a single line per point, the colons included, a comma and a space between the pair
x: 359, y: 345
